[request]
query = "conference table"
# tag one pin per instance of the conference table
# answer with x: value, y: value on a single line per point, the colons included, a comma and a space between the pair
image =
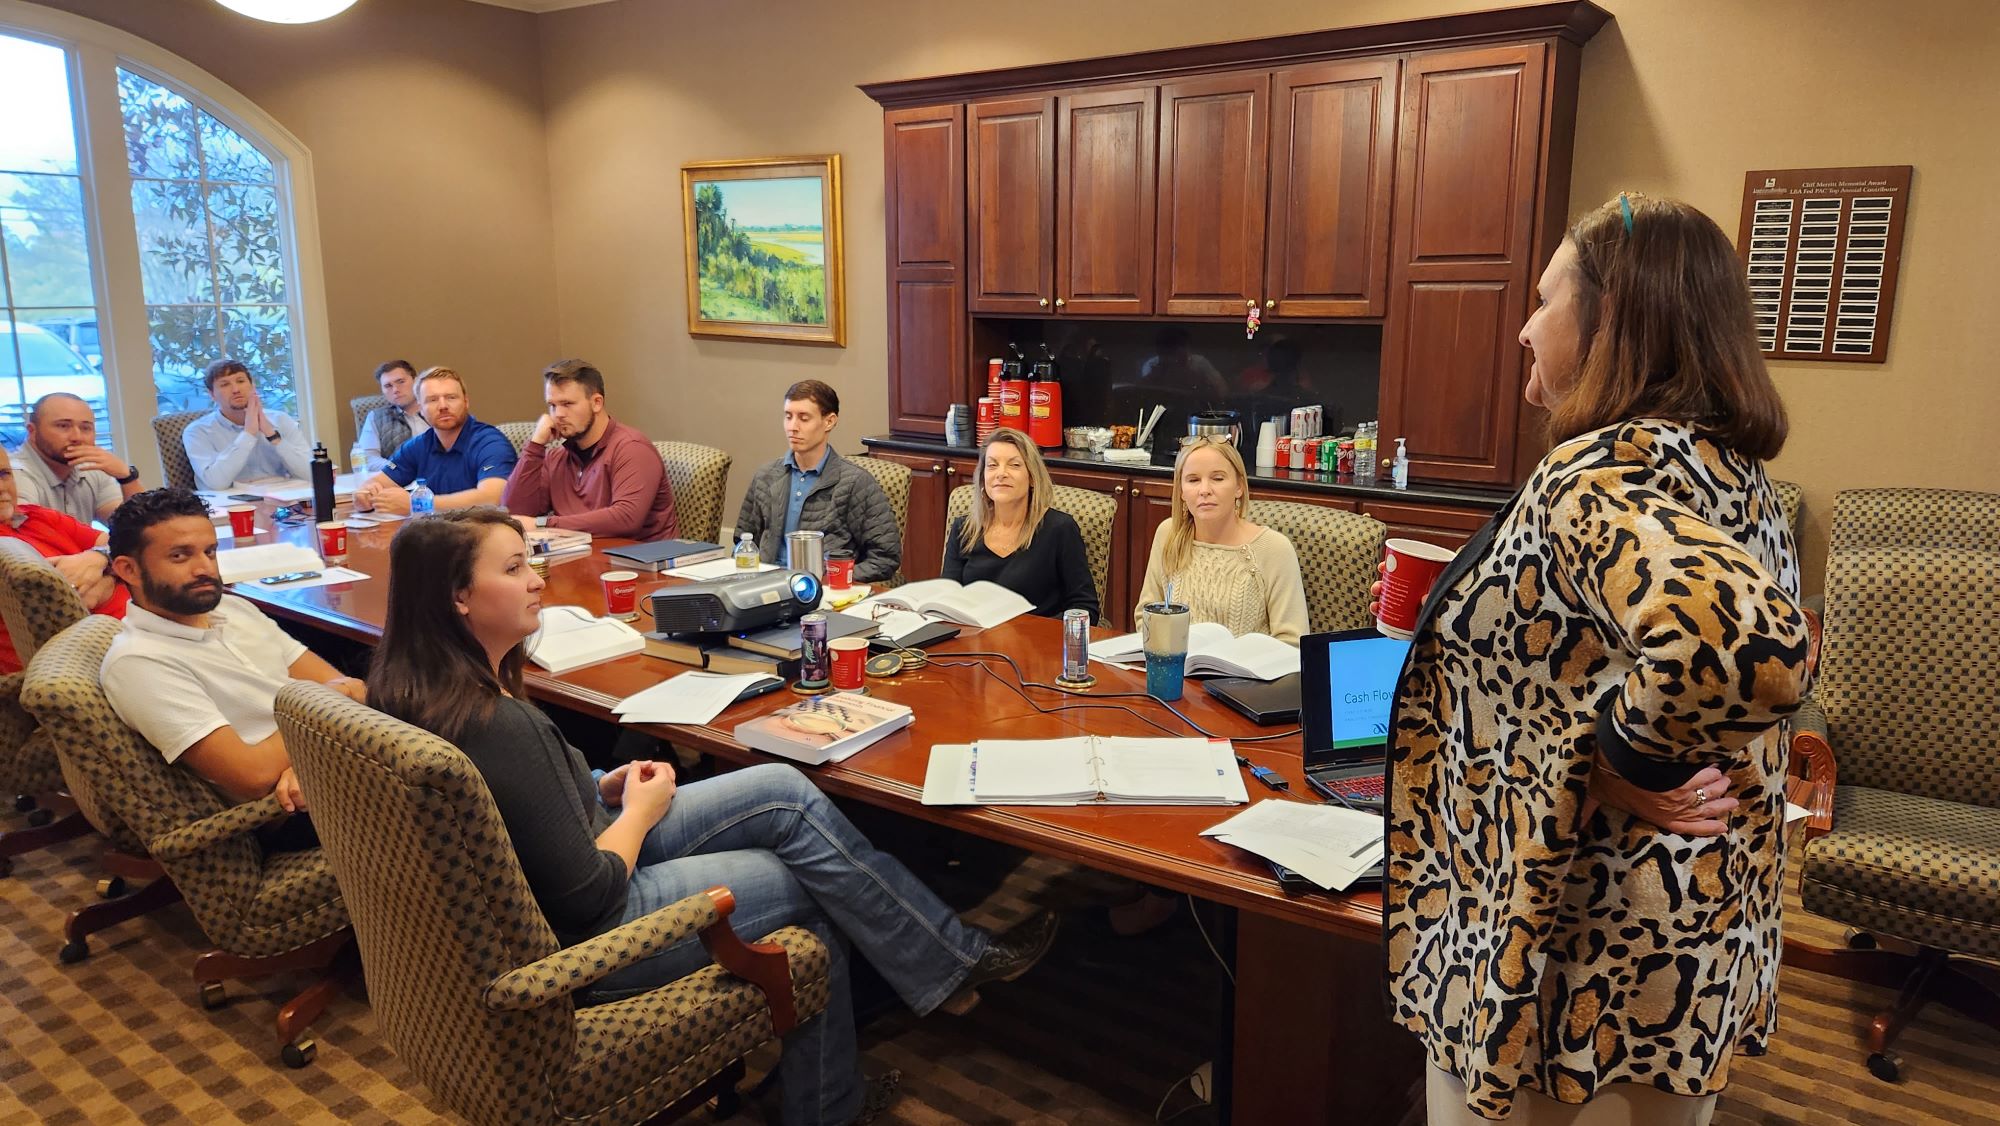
x: 1309, y: 1039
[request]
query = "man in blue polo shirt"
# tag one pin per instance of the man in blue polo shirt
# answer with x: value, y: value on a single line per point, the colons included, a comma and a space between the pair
x: 464, y: 461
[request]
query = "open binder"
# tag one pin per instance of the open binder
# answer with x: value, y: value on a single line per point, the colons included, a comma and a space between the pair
x: 1084, y: 770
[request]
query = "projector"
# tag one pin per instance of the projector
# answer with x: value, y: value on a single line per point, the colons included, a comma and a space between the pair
x: 734, y: 604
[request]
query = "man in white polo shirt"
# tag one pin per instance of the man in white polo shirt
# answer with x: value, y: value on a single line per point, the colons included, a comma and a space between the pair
x: 196, y: 671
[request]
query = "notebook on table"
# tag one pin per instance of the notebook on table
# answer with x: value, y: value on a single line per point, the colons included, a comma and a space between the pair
x: 666, y: 555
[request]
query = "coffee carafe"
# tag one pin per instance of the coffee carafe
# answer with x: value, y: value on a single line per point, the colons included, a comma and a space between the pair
x: 1045, y: 425
x: 1014, y: 390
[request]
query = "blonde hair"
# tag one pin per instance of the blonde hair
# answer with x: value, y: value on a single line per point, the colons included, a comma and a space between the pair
x: 440, y: 372
x: 1180, y: 531
x: 1040, y: 490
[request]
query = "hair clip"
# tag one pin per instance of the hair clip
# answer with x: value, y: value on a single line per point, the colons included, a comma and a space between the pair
x: 1625, y: 208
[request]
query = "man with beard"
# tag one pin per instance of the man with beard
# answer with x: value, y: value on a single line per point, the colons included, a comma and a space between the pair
x: 70, y: 546
x: 196, y: 671
x: 61, y: 466
x: 463, y: 461
x: 604, y: 478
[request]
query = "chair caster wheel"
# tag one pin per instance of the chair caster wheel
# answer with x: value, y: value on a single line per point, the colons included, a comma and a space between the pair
x: 1859, y: 940
x: 111, y: 888
x: 1885, y: 1067
x: 299, y: 1054
x: 23, y: 802
x: 39, y: 817
x: 213, y: 995
x: 6, y: 867
x: 73, y: 952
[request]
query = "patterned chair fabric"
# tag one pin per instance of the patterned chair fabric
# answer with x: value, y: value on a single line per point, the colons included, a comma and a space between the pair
x: 463, y: 971
x: 700, y: 476
x: 1093, y: 512
x: 248, y: 904
x: 895, y: 482
x: 1337, y: 553
x: 362, y: 406
x: 1792, y: 499
x: 518, y: 433
x: 1909, y: 691
x: 36, y: 603
x: 175, y: 468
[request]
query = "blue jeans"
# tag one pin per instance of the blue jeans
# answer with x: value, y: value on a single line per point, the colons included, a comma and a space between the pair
x: 793, y: 859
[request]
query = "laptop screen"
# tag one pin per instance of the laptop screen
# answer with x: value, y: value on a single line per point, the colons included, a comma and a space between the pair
x: 1347, y: 683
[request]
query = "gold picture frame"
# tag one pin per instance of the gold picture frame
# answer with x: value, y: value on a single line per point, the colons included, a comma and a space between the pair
x: 765, y: 257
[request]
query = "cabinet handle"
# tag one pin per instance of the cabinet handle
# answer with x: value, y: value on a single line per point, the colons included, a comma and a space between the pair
x: 1120, y: 490
x: 938, y: 468
x: 1269, y: 304
x: 1060, y: 302
x: 1249, y: 304
x: 1045, y: 302
x: 951, y: 470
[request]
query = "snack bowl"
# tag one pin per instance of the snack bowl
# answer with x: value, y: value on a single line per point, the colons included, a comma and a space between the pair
x: 1093, y: 439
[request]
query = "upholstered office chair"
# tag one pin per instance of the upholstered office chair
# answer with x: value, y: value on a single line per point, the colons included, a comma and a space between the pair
x: 1093, y: 512
x: 265, y: 912
x: 176, y: 470
x: 36, y: 603
x: 363, y: 406
x: 699, y: 475
x: 1907, y: 703
x: 895, y: 482
x: 468, y: 981
x: 518, y: 433
x: 1792, y: 499
x: 1337, y: 553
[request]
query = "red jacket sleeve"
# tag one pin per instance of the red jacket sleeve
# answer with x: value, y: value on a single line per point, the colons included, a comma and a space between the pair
x: 527, y: 491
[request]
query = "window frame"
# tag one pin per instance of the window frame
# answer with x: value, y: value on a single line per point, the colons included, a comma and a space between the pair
x: 95, y: 53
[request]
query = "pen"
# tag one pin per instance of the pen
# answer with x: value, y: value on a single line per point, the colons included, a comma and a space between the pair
x: 1365, y: 846
x: 1268, y: 777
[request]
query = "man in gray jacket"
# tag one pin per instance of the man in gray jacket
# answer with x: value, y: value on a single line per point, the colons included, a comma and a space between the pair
x: 814, y: 489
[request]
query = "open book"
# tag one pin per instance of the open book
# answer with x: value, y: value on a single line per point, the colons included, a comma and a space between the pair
x: 1089, y: 768
x: 982, y: 604
x: 571, y: 638
x: 261, y: 561
x: 1211, y: 649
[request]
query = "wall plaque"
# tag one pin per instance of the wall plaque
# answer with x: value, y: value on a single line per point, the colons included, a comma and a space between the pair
x: 1821, y: 247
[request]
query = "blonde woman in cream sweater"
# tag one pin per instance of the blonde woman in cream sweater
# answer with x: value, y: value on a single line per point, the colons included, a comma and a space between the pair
x: 1223, y: 568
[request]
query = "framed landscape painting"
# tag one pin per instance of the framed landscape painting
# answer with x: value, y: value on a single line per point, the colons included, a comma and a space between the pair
x: 764, y: 256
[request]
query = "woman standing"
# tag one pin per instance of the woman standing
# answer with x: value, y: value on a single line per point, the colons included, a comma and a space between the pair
x: 1014, y: 538
x: 1586, y: 781
x: 1224, y: 568
x: 602, y: 850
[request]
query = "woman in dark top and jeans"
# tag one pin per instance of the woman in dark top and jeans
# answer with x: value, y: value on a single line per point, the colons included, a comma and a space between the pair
x: 1014, y: 538
x: 599, y: 850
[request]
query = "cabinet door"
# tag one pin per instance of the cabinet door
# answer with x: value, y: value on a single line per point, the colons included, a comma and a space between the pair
x: 1446, y: 527
x: 1333, y: 155
x: 1104, y: 201
x: 1212, y: 177
x: 1149, y: 503
x: 924, y: 212
x: 1010, y: 205
x: 1466, y: 177
x: 923, y: 536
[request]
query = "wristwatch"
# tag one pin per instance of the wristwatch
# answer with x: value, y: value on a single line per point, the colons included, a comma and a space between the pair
x: 272, y: 437
x: 129, y: 477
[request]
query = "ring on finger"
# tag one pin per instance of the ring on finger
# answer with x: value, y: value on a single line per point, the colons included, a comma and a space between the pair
x: 1700, y: 797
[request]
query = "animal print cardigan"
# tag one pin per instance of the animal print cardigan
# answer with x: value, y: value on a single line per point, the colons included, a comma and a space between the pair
x: 1638, y: 597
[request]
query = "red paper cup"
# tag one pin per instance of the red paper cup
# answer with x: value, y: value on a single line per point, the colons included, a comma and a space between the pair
x: 840, y: 570
x: 243, y: 520
x: 1410, y: 567
x: 621, y: 594
x: 850, y: 655
x: 333, y: 541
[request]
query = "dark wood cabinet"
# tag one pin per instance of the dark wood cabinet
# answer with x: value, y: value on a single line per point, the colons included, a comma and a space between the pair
x: 1333, y: 156
x: 1105, y: 163
x: 1463, y: 258
x: 1010, y: 206
x: 924, y: 201
x: 1446, y: 527
x: 1213, y: 132
x: 931, y: 481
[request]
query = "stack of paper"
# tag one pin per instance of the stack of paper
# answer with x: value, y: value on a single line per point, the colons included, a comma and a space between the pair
x: 1328, y: 845
x: 243, y: 564
x: 691, y: 697
x: 720, y: 569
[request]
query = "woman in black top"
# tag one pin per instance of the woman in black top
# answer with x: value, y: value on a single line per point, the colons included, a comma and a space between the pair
x: 602, y: 849
x: 1014, y: 538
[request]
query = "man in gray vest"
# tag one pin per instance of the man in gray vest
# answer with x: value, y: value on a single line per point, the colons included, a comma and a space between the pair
x: 388, y: 426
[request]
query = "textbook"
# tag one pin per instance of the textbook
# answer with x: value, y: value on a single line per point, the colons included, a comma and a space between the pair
x: 1212, y: 649
x: 782, y: 641
x: 558, y: 543
x: 822, y: 729
x: 981, y: 604
x: 666, y: 555
x: 570, y: 638
x: 1084, y: 770
x: 713, y: 652
x: 261, y: 561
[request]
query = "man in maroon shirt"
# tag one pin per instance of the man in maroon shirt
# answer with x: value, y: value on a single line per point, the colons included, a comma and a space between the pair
x: 70, y: 547
x: 605, y: 478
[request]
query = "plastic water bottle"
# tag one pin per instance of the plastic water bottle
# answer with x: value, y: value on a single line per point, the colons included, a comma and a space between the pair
x: 746, y: 553
x: 357, y: 461
x: 423, y: 502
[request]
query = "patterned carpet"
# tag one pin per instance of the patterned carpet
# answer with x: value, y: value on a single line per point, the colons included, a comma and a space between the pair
x: 1090, y: 1038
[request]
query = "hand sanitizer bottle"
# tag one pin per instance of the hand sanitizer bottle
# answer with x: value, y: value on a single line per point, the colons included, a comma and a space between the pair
x: 1399, y: 470
x: 746, y: 553
x: 422, y: 501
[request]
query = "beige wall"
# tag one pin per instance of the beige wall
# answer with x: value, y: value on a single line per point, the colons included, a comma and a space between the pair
x: 424, y: 120
x: 1679, y: 97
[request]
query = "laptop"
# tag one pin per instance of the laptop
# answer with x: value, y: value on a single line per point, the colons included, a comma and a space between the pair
x: 1267, y: 702
x: 1347, y: 687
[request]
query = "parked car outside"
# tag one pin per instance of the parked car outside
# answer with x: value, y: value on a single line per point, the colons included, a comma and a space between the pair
x: 46, y: 363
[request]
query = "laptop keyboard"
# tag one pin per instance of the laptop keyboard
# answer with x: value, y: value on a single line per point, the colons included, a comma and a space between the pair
x: 1367, y: 787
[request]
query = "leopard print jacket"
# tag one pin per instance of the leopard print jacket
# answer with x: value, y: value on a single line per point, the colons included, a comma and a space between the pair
x: 1638, y: 596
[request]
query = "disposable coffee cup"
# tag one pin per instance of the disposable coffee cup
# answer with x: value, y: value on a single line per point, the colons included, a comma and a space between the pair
x: 621, y: 594
x: 850, y: 657
x: 243, y: 520
x: 1409, y: 569
x: 333, y: 541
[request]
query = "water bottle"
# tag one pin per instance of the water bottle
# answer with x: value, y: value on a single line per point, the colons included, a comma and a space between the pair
x: 746, y: 553
x: 357, y: 461
x: 322, y: 482
x: 422, y: 501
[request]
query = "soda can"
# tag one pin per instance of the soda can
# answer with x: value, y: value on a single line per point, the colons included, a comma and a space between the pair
x: 1076, y: 645
x: 814, y: 665
x: 1345, y: 466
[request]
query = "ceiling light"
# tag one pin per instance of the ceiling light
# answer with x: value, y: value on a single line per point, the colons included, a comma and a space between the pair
x: 288, y: 11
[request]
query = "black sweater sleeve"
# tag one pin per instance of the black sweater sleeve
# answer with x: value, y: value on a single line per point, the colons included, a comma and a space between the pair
x: 954, y: 554
x: 548, y: 800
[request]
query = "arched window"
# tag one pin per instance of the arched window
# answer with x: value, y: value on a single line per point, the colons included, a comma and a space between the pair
x: 154, y: 220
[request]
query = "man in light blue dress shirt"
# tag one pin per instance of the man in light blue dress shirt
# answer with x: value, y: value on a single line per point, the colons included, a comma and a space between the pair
x: 240, y: 440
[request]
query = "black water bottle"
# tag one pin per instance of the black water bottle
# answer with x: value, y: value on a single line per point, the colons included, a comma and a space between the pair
x: 322, y: 474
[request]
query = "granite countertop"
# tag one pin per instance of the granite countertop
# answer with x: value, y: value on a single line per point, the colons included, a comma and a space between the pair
x: 1299, y: 480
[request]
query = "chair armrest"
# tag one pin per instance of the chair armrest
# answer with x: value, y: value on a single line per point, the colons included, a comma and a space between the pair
x: 1813, y: 763
x: 572, y: 968
x: 216, y: 828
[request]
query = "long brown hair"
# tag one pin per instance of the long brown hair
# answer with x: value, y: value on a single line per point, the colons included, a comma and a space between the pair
x: 1667, y: 329
x: 429, y: 669
x: 1180, y: 532
x: 1040, y: 490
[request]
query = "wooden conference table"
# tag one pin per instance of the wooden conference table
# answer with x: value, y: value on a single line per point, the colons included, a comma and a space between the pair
x: 1309, y: 1040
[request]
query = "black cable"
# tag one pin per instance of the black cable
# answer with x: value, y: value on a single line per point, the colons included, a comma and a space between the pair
x: 1025, y: 683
